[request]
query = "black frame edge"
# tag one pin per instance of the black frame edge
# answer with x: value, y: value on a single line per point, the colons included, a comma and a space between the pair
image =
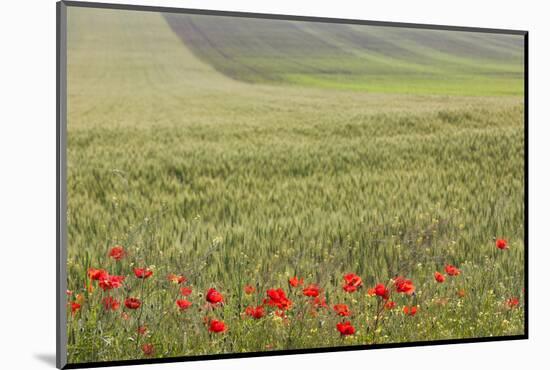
x: 290, y: 352
x: 61, y: 146
x: 526, y: 179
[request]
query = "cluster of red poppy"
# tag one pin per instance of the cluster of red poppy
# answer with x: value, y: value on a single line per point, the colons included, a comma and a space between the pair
x: 143, y: 273
x: 450, y: 270
x: 345, y: 328
x: 217, y: 326
x: 117, y: 252
x: 410, y: 310
x: 183, y: 304
x: 176, y: 279
x: 213, y: 296
x: 255, y: 312
x: 352, y: 282
x: 213, y: 299
x: 104, y: 279
x: 110, y: 303
x: 342, y: 309
x: 148, y: 349
x: 403, y: 285
x: 311, y: 291
x: 132, y: 303
x: 276, y: 298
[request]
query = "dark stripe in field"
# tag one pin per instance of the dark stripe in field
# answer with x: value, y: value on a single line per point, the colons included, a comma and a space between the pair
x: 240, y: 48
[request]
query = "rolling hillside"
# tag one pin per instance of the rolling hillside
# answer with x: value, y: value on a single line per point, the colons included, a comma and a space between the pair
x: 371, y: 58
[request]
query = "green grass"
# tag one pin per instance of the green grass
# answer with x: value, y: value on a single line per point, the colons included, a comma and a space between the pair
x: 358, y: 58
x: 232, y: 183
x: 455, y: 85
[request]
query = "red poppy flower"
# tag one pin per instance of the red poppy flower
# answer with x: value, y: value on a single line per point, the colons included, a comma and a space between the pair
x: 390, y: 305
x: 342, y: 309
x: 512, y: 302
x: 148, y: 349
x: 277, y: 298
x: 352, y: 282
x: 213, y: 296
x: 117, y: 252
x: 461, y: 293
x: 294, y: 281
x: 132, y: 303
x: 111, y: 304
x: 319, y: 302
x: 311, y: 291
x: 345, y: 328
x: 439, y: 277
x: 142, y: 273
x: 403, y: 285
x: 217, y: 326
x: 381, y: 291
x: 255, y: 312
x: 97, y: 274
x: 111, y: 282
x: 69, y: 292
x: 142, y: 330
x: 186, y: 290
x: 249, y: 289
x: 410, y: 311
x: 176, y: 279
x: 183, y: 304
x: 502, y: 244
x: 452, y: 270
x: 75, y: 307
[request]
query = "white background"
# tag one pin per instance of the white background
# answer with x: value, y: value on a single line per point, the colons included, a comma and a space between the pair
x: 27, y: 182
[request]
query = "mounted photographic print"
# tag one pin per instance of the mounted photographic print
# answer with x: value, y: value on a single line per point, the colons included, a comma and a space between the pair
x: 237, y: 184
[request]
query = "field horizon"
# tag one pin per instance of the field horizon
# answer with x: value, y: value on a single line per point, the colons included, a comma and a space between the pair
x: 236, y: 154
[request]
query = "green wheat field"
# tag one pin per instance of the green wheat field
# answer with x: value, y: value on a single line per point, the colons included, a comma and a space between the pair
x: 234, y: 154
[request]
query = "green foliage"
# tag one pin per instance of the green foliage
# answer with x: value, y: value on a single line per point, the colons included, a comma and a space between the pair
x: 230, y: 183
